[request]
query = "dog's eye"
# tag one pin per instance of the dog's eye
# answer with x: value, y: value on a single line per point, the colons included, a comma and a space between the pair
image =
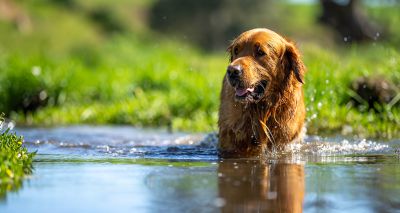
x: 235, y: 50
x: 260, y: 52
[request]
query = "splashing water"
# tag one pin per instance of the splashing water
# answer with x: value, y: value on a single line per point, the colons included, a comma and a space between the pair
x: 139, y: 143
x: 344, y: 147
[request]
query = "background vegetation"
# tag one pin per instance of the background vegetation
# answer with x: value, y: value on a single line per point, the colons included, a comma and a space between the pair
x: 101, y: 62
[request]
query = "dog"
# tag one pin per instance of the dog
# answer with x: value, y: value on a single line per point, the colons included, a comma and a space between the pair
x: 261, y: 101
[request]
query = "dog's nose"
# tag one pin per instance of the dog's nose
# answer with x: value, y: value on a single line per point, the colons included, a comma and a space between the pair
x: 234, y: 71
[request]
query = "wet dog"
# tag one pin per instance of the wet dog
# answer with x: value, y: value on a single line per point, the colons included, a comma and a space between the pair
x: 262, y: 104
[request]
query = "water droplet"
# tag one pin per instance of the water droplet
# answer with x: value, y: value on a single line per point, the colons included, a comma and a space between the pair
x: 346, y: 130
x: 219, y: 202
x: 36, y: 70
x: 313, y: 116
x: 272, y: 195
x: 43, y: 95
x: 377, y: 36
x: 11, y: 125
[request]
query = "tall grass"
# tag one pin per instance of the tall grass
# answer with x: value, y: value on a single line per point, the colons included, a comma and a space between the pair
x: 328, y: 92
x: 172, y: 85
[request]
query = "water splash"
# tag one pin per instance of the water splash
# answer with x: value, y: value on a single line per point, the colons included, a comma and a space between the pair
x: 343, y: 147
x: 108, y: 141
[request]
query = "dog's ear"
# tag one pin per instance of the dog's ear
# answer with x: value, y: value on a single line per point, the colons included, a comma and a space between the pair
x: 292, y: 62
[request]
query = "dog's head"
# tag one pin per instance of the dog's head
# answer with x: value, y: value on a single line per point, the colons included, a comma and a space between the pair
x: 261, y: 61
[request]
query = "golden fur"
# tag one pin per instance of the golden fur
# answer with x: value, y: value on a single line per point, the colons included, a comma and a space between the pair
x: 262, y: 104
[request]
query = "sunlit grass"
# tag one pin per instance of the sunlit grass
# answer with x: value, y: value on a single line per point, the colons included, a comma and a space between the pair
x: 172, y: 85
x: 327, y: 90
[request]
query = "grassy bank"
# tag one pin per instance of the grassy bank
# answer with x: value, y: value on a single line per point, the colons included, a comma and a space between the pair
x: 135, y: 82
x: 16, y: 161
x: 173, y: 85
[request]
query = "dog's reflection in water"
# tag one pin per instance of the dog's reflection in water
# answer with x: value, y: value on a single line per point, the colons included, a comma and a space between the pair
x: 257, y: 186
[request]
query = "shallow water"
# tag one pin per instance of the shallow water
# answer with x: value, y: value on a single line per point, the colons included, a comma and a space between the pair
x: 123, y: 169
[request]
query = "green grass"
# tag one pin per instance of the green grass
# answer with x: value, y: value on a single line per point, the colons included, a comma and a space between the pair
x: 16, y: 161
x: 157, y: 88
x: 137, y: 84
x: 327, y: 90
x: 142, y: 78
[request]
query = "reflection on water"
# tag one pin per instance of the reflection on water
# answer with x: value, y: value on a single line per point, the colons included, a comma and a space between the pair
x: 229, y: 186
x: 370, y: 185
x: 254, y: 186
x: 114, y: 169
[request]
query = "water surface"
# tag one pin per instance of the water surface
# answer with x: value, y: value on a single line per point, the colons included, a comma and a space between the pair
x: 124, y: 169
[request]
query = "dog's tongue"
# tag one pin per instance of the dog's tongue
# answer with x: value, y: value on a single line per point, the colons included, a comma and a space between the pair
x: 241, y: 92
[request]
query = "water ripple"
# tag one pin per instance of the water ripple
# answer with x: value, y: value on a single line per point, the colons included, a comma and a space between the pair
x: 111, y: 141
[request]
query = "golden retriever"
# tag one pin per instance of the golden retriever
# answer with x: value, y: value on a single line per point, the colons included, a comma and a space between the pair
x: 262, y: 104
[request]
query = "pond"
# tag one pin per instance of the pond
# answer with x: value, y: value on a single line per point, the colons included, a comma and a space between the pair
x: 125, y: 169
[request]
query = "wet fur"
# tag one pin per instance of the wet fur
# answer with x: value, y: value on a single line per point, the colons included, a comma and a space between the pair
x: 250, y: 128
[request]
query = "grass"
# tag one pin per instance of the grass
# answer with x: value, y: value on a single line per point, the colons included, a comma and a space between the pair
x: 154, y: 88
x: 145, y: 79
x: 16, y: 161
x: 157, y: 88
x: 327, y: 91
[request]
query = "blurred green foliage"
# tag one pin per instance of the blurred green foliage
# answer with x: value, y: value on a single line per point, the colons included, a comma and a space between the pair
x: 16, y: 161
x: 72, y: 70
x: 210, y: 24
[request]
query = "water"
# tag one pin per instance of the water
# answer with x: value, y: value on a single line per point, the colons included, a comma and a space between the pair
x: 123, y: 169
